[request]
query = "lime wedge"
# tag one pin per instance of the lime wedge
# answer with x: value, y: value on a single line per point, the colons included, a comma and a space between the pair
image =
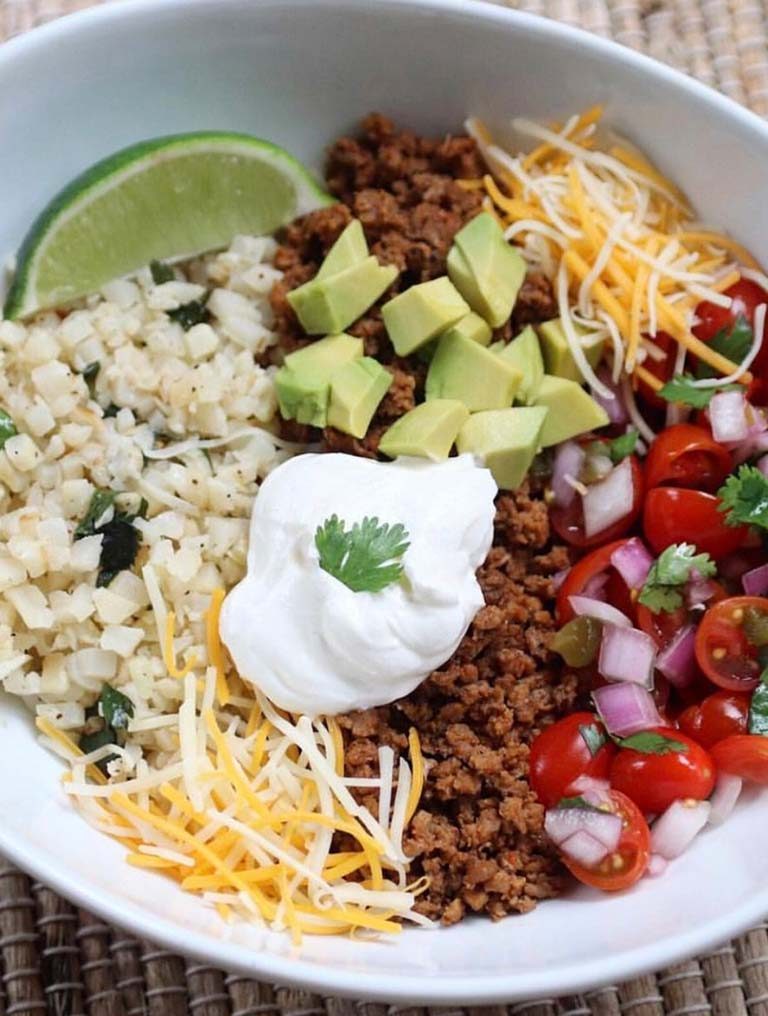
x: 169, y: 197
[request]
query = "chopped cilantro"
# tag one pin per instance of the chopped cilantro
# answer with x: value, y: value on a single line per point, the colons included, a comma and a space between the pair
x: 758, y: 708
x: 576, y: 802
x: 682, y: 389
x: 90, y: 373
x: 744, y: 498
x: 622, y: 446
x: 733, y: 344
x: 106, y: 723
x: 7, y: 428
x: 364, y: 558
x: 111, y: 410
x: 669, y: 572
x: 161, y: 272
x: 120, y: 538
x: 648, y: 742
x: 193, y: 313
x: 116, y: 708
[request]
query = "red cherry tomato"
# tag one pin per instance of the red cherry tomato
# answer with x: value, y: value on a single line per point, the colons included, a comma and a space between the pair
x: 628, y: 863
x: 654, y: 781
x: 661, y: 369
x: 746, y: 296
x: 662, y: 627
x: 590, y: 567
x: 568, y: 522
x: 721, y: 715
x: 744, y: 755
x: 723, y: 649
x: 686, y: 456
x: 676, y: 515
x: 562, y: 753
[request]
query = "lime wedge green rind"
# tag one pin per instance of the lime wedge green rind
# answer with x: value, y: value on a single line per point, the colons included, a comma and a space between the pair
x: 166, y: 198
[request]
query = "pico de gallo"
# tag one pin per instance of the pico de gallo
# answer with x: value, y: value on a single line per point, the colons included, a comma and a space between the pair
x: 663, y: 613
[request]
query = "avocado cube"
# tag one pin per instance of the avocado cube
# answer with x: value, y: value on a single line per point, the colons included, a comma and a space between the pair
x: 558, y: 359
x: 331, y: 304
x: 524, y: 352
x: 572, y: 410
x: 357, y: 388
x: 472, y: 327
x: 428, y: 431
x: 303, y: 382
x: 350, y: 248
x: 460, y: 369
x: 506, y: 441
x: 487, y: 271
x: 421, y: 313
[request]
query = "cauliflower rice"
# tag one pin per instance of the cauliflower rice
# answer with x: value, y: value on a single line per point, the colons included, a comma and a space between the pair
x: 62, y: 637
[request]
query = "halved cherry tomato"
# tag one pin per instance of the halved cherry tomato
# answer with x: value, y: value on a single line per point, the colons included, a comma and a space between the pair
x: 661, y: 369
x: 629, y: 861
x: 676, y: 515
x: 562, y: 753
x: 721, y: 715
x: 744, y: 755
x: 590, y: 567
x: 654, y: 781
x: 745, y: 296
x: 686, y: 456
x: 568, y: 522
x: 724, y: 650
x: 662, y: 627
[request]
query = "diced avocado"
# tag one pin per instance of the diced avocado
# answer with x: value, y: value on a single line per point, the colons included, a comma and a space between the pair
x: 558, y: 359
x: 421, y: 313
x: 357, y: 388
x: 472, y: 326
x: 572, y: 410
x: 460, y: 369
x: 506, y: 440
x: 303, y: 383
x: 349, y: 249
x: 331, y: 304
x: 524, y: 352
x: 428, y: 431
x: 486, y: 270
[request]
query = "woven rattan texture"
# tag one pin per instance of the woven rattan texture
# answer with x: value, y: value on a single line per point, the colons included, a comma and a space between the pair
x: 56, y: 960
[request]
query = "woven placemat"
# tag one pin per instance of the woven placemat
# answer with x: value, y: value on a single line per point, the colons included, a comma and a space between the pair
x: 57, y: 960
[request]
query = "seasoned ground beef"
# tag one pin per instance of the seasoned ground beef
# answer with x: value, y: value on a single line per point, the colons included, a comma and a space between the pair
x: 477, y: 834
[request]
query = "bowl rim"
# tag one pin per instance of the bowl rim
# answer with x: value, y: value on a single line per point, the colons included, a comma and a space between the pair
x: 407, y: 988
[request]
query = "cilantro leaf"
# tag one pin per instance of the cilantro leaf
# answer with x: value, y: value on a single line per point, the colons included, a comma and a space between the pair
x: 89, y: 374
x: 758, y: 708
x: 193, y: 313
x: 648, y: 742
x: 593, y: 737
x: 575, y: 802
x: 116, y: 708
x: 7, y: 428
x: 120, y: 538
x: 733, y: 343
x: 161, y: 272
x: 101, y: 500
x: 681, y: 389
x: 744, y: 498
x: 365, y: 557
x: 622, y: 446
x: 670, y: 571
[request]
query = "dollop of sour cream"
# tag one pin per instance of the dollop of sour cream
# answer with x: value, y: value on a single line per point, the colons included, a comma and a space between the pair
x: 310, y: 643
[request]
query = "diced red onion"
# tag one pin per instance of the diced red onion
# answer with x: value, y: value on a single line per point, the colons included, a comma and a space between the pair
x: 753, y: 444
x: 657, y: 865
x: 674, y: 831
x: 626, y: 708
x: 615, y: 408
x: 560, y: 824
x: 755, y: 581
x: 585, y: 606
x: 728, y: 416
x: 724, y: 797
x: 610, y: 500
x: 762, y: 465
x: 588, y: 784
x: 632, y: 561
x: 569, y: 458
x: 677, y: 661
x: 595, y: 588
x: 698, y: 590
x: 584, y: 849
x: 627, y: 654
x: 559, y: 577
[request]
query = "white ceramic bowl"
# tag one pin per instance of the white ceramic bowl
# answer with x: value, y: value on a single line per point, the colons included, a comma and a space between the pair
x: 300, y: 72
